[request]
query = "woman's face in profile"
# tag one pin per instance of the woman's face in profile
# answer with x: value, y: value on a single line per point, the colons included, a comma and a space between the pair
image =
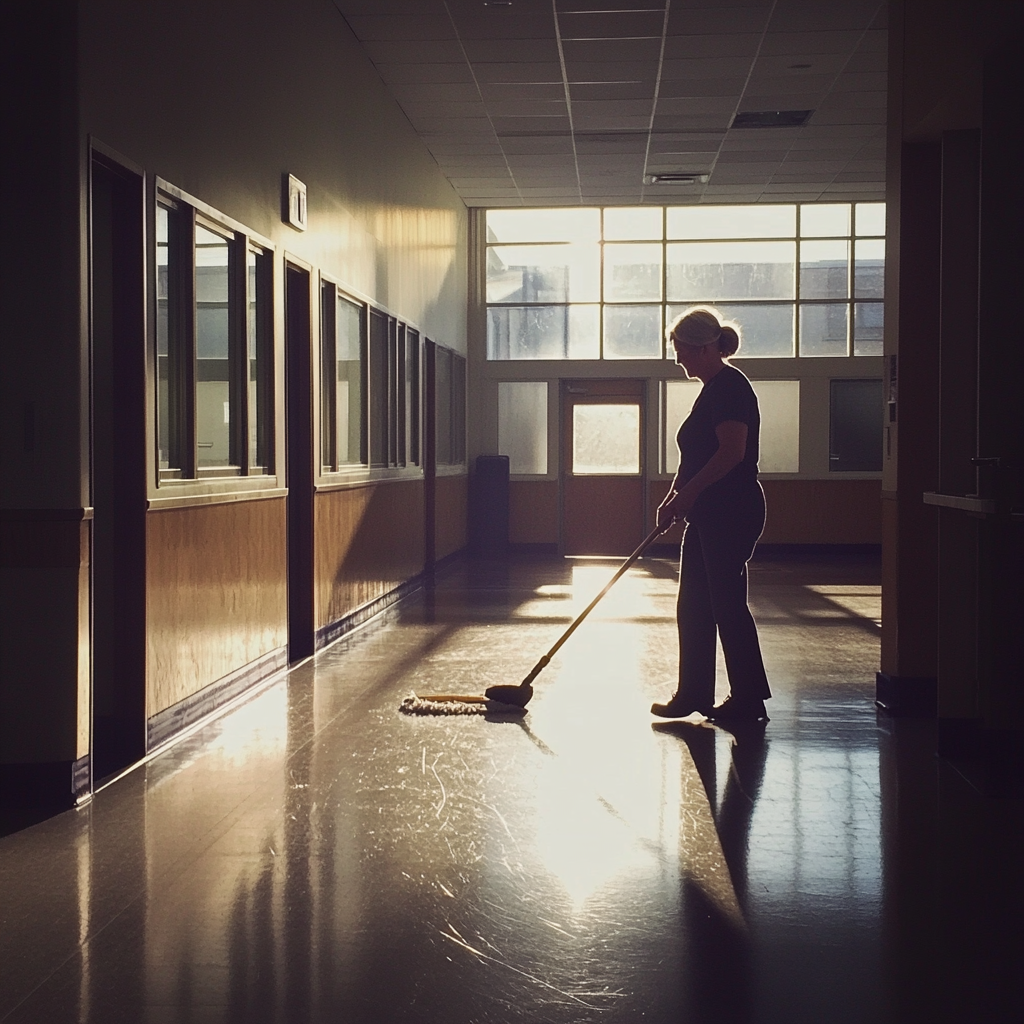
x: 691, y: 358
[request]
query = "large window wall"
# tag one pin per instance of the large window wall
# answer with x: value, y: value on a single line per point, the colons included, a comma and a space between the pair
x: 800, y: 279
x: 578, y: 292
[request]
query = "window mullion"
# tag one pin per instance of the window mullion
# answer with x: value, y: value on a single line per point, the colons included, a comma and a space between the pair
x: 186, y: 399
x: 238, y: 353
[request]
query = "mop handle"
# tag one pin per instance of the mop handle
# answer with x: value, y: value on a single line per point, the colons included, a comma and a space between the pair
x: 644, y: 544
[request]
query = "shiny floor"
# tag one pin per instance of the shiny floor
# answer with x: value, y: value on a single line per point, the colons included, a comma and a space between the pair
x: 316, y: 856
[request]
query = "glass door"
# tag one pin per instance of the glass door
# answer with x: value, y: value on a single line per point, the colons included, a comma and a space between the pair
x: 603, y: 472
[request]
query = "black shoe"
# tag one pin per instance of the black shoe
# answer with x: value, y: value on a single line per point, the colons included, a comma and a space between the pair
x: 675, y: 709
x: 733, y: 709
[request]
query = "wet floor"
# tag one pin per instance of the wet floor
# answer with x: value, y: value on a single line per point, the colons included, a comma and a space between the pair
x: 316, y: 856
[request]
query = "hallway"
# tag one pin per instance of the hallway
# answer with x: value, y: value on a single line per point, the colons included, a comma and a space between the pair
x: 314, y: 855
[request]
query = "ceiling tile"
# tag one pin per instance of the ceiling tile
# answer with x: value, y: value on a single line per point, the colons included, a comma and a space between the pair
x: 611, y: 143
x: 705, y: 67
x: 857, y: 115
x: 531, y: 125
x: 527, y: 108
x: 700, y: 105
x: 523, y: 91
x: 465, y: 126
x: 751, y: 156
x: 685, y: 20
x: 425, y: 51
x: 481, y: 183
x: 707, y: 47
x: 799, y: 43
x: 406, y: 27
x: 517, y: 21
x: 867, y: 81
x: 823, y: 65
x: 694, y: 123
x: 846, y: 100
x: 589, y: 51
x: 610, y: 71
x: 550, y: 148
x: 702, y: 87
x: 609, y: 122
x: 523, y: 71
x: 610, y: 25
x: 428, y: 92
x: 355, y: 8
x: 815, y: 17
x: 503, y: 51
x: 426, y: 74
x: 788, y: 85
x: 612, y: 109
x: 754, y: 101
x: 612, y: 91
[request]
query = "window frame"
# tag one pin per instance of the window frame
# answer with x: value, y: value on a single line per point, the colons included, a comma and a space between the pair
x: 797, y: 303
x: 188, y: 482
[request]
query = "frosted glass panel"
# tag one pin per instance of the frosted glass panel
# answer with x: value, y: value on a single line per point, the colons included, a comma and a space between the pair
x: 632, y: 332
x: 869, y: 269
x: 731, y: 221
x: 523, y: 425
x: 543, y: 273
x: 868, y: 321
x: 543, y: 332
x: 766, y: 330
x: 632, y: 223
x: 679, y: 398
x: 779, y: 401
x: 824, y: 270
x: 824, y: 328
x: 870, y: 218
x: 824, y: 219
x: 213, y: 377
x: 558, y: 225
x: 605, y: 439
x: 632, y: 273
x: 715, y: 271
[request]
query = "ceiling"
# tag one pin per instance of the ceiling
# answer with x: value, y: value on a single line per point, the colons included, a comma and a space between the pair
x: 563, y: 102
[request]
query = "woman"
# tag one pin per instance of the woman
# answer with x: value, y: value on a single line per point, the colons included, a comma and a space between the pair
x: 717, y: 492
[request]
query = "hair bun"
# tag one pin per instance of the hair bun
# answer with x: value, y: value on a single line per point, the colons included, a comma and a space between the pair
x: 729, y: 340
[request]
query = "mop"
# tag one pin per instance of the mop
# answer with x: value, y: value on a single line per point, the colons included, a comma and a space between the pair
x: 511, y: 698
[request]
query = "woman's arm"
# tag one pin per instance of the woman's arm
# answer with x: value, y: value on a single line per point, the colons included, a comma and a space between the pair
x: 732, y: 447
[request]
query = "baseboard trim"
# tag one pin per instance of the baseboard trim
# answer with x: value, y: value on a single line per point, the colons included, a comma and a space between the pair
x: 166, y: 724
x: 326, y: 635
x: 81, y: 778
x: 907, y: 696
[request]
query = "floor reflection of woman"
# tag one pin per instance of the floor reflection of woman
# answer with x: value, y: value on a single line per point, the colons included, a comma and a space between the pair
x: 716, y: 491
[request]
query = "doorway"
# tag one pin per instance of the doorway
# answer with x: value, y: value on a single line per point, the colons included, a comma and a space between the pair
x: 603, y: 466
x: 299, y: 452
x: 118, y: 398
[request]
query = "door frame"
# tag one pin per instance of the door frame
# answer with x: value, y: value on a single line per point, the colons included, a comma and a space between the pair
x: 119, y: 412
x: 599, y: 385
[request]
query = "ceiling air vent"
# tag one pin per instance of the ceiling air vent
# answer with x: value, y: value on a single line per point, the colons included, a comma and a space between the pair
x: 670, y: 178
x: 771, y: 118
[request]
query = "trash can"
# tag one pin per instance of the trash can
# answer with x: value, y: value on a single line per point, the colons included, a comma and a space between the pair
x: 488, y: 507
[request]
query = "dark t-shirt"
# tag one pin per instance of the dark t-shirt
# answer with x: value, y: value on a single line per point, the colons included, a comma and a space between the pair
x: 727, y: 396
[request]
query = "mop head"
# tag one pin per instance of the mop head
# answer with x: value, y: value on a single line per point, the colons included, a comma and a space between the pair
x: 413, y: 705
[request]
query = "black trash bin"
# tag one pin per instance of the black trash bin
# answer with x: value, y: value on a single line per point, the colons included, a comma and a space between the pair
x: 488, y: 507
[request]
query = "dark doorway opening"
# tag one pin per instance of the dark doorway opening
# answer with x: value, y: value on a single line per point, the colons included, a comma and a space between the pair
x: 299, y: 398
x: 118, y: 558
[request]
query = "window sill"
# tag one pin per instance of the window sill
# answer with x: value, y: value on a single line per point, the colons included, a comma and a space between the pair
x: 186, y: 493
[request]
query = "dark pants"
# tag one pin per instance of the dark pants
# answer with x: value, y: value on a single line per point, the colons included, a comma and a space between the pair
x: 713, y: 602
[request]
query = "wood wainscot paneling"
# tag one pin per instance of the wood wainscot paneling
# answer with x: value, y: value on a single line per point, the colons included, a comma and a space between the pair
x: 217, y: 594
x: 809, y: 511
x: 823, y: 512
x: 368, y: 540
x: 533, y: 512
x: 452, y: 502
